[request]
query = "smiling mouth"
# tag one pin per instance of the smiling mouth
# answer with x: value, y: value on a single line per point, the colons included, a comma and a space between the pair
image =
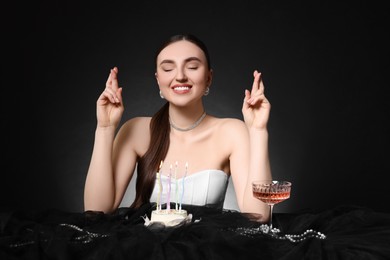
x: 181, y: 89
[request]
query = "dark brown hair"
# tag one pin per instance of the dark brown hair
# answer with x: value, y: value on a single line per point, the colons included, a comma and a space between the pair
x: 159, y: 135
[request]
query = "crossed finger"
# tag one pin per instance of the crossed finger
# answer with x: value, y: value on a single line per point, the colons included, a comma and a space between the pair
x: 257, y: 89
x: 258, y: 86
x: 112, y: 86
x: 112, y: 81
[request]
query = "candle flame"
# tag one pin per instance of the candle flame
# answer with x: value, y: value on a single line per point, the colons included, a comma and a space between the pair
x: 159, y: 168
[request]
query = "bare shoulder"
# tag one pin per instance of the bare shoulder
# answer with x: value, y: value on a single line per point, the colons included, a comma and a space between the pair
x: 229, y: 134
x: 229, y: 125
x: 229, y: 131
x: 141, y: 123
x: 135, y: 133
x: 135, y: 128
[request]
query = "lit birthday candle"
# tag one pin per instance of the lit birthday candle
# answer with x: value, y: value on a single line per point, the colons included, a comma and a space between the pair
x: 176, y: 187
x: 169, y: 189
x: 182, y: 192
x: 160, y: 186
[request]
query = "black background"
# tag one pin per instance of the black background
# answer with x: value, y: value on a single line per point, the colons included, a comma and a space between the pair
x: 325, y: 67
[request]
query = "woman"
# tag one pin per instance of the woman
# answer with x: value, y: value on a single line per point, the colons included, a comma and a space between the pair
x: 206, y: 149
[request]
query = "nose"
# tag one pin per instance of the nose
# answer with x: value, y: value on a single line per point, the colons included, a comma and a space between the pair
x: 181, y: 76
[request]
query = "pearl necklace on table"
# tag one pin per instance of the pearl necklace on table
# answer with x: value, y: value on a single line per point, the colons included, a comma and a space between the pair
x: 275, y: 233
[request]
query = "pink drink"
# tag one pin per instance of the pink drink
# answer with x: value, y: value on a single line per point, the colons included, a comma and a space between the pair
x: 271, y: 197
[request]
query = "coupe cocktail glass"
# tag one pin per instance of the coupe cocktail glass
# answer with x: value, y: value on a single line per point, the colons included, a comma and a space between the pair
x: 271, y: 192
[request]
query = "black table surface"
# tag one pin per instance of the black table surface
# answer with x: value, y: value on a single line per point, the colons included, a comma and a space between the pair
x: 350, y: 232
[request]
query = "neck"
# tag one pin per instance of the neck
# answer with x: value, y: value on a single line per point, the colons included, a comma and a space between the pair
x: 185, y: 119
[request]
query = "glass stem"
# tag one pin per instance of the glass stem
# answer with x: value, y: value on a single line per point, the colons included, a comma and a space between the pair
x: 271, y: 207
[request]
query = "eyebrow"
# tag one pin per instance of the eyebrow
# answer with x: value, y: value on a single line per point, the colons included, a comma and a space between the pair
x: 186, y: 60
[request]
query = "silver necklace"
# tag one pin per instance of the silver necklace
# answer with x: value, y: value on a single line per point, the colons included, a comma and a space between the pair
x: 275, y: 233
x: 191, y: 126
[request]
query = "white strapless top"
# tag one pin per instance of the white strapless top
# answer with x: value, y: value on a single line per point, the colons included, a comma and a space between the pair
x: 204, y: 188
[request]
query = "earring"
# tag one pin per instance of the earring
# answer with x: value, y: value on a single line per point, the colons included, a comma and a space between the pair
x: 207, y: 91
x: 161, y: 95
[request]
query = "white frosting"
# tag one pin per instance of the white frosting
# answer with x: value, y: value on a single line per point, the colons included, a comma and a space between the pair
x: 168, y: 217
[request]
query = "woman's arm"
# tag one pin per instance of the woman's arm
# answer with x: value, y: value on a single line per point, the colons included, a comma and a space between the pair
x: 250, y: 155
x: 108, y: 174
x: 99, y: 190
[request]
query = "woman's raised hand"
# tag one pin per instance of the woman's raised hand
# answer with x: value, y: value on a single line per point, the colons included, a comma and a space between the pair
x: 109, y: 105
x: 256, y: 107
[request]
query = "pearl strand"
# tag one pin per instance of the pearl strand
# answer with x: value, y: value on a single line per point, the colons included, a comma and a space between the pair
x: 85, y: 238
x: 275, y: 233
x: 88, y: 237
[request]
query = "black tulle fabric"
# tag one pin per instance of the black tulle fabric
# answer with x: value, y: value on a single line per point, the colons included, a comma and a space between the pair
x: 351, y: 233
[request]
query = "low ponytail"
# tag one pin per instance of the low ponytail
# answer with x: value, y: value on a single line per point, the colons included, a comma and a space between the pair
x: 157, y: 151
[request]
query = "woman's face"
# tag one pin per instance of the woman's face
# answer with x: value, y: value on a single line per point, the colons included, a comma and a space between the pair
x: 182, y: 72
